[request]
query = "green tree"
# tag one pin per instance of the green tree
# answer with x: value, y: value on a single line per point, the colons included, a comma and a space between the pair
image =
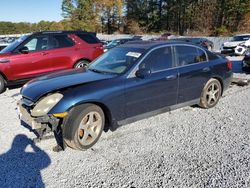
x: 81, y: 13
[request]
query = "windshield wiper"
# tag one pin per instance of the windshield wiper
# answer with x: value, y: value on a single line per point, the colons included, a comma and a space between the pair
x: 95, y: 70
x: 100, y: 71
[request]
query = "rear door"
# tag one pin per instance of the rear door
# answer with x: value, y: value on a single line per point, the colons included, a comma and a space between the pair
x: 194, y: 71
x: 62, y: 52
x: 156, y: 91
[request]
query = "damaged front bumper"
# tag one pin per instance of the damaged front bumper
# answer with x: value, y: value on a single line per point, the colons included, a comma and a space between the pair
x: 41, y: 126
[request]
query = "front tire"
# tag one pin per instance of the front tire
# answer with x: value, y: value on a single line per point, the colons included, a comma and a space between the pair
x: 2, y: 84
x: 211, y: 94
x: 84, y: 126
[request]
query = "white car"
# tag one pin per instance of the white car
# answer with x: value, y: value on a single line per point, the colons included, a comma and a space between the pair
x: 229, y: 47
x: 242, y: 48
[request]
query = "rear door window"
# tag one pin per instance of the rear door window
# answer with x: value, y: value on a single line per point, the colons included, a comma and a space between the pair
x: 188, y: 55
x: 88, y: 38
x: 61, y: 41
x: 158, y: 60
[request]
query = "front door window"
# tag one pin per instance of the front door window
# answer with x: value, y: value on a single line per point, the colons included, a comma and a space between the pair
x: 38, y: 43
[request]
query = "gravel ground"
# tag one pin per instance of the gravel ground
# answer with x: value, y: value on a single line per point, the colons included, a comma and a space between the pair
x: 189, y: 147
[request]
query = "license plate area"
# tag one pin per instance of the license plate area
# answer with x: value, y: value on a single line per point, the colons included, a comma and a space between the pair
x: 26, y: 118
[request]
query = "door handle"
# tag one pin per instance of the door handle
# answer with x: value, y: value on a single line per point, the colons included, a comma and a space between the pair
x: 171, y: 77
x: 4, y: 60
x: 206, y: 69
x: 45, y: 53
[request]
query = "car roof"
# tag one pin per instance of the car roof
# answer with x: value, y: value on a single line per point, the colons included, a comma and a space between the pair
x: 144, y: 44
x: 190, y: 38
x: 65, y: 32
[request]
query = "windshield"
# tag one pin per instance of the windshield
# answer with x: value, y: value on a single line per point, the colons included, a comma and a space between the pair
x: 116, y: 61
x: 241, y: 38
x: 14, y: 44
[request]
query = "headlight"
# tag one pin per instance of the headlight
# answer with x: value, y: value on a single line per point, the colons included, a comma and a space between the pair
x: 46, y: 104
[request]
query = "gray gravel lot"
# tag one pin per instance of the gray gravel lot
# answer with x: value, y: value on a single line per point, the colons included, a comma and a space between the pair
x: 189, y: 147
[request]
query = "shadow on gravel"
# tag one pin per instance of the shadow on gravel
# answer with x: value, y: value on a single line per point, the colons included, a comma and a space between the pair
x: 19, y: 168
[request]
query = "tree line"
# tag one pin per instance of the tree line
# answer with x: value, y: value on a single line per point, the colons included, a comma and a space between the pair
x: 209, y: 17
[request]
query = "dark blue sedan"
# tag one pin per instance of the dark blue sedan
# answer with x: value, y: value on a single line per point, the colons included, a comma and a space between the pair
x: 126, y: 84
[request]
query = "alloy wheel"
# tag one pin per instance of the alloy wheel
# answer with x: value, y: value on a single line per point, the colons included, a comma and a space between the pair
x: 81, y: 64
x: 89, y: 128
x: 213, y: 94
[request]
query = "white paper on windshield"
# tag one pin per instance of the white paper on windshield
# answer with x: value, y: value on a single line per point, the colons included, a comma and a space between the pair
x: 133, y: 54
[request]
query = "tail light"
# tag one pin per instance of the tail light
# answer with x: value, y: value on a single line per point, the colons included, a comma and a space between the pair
x: 229, y: 65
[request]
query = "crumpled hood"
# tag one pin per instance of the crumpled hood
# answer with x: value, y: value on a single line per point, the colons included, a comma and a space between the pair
x: 38, y: 87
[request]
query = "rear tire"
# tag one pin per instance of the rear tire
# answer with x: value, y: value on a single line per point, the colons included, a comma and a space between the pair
x: 2, y: 84
x: 84, y: 126
x: 211, y: 94
x: 81, y: 64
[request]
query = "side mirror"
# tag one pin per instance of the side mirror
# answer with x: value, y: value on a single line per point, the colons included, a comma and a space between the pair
x: 143, y: 73
x: 24, y: 50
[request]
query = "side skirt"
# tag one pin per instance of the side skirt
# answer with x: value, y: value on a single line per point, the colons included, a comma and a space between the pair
x: 156, y: 112
x: 18, y: 82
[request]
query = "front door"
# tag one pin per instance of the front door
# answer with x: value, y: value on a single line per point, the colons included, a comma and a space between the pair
x: 155, y: 91
x: 35, y: 62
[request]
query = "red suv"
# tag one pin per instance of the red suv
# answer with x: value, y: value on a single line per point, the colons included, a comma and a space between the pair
x: 44, y: 52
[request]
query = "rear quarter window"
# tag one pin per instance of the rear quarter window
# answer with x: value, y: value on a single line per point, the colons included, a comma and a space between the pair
x: 88, y: 38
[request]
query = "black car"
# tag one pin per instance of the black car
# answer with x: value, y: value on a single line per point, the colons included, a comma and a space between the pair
x: 198, y: 41
x: 246, y: 62
x: 128, y: 83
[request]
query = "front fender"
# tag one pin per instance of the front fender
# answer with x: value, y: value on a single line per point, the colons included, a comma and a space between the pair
x: 111, y: 96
